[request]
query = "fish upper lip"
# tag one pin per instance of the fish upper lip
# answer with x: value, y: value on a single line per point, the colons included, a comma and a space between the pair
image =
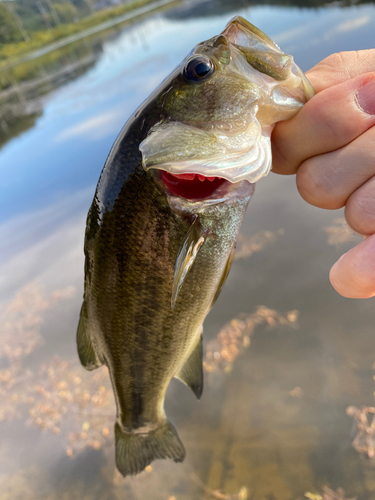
x: 239, y: 25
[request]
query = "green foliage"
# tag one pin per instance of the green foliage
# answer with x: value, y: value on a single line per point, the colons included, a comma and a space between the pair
x: 29, y: 14
x: 9, y: 31
x: 44, y: 37
x: 67, y: 12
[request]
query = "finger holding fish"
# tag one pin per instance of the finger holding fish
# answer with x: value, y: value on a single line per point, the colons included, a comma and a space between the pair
x: 334, y: 118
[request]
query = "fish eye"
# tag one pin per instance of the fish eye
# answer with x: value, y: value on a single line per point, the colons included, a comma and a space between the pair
x: 199, y: 68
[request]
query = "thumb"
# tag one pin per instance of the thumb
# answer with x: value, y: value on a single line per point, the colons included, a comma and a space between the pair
x: 353, y: 275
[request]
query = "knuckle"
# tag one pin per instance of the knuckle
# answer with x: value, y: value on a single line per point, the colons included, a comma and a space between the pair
x: 333, y: 61
x: 281, y: 158
x: 327, y: 115
x: 360, y: 210
x: 338, y: 61
x: 315, y: 185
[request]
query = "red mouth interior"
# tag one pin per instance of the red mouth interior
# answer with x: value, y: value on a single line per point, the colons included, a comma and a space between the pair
x: 191, y: 186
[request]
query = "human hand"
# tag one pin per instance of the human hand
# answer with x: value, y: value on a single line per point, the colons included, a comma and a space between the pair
x: 330, y: 145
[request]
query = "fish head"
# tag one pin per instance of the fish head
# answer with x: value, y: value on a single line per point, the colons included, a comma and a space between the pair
x: 219, y: 110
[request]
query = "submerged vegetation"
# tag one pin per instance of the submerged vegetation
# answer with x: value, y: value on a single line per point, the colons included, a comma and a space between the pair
x: 75, y: 408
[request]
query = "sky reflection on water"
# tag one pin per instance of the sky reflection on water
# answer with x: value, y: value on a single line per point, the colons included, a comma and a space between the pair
x: 274, y: 422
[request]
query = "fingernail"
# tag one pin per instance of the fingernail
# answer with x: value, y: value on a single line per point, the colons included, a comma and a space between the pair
x: 366, y: 97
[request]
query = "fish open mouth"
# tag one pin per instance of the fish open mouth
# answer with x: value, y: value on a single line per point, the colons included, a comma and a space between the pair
x: 190, y: 169
x: 191, y: 186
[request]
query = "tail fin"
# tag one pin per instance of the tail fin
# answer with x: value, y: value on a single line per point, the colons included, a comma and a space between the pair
x: 135, y: 451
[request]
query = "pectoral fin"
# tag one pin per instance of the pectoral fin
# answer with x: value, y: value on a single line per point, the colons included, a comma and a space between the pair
x: 85, y: 348
x: 224, y: 276
x: 187, y: 254
x: 192, y: 371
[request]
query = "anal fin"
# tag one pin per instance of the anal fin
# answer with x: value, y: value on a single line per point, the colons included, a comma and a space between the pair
x: 86, y: 351
x: 192, y: 371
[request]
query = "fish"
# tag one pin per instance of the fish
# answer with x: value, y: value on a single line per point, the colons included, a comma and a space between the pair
x: 162, y: 228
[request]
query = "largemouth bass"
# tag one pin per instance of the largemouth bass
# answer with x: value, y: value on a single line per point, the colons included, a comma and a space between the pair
x: 162, y: 228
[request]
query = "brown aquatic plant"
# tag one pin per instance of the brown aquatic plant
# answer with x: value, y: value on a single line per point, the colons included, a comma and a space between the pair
x: 247, y: 246
x: 77, y: 406
x: 328, y: 494
x: 364, y: 418
x: 21, y: 319
x: 296, y: 392
x: 340, y: 233
x: 69, y: 402
x: 235, y: 336
x: 13, y: 392
x: 243, y: 493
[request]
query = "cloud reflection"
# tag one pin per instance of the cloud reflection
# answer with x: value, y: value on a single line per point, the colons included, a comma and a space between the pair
x: 45, y: 245
x: 93, y: 128
x: 354, y: 24
x: 347, y: 26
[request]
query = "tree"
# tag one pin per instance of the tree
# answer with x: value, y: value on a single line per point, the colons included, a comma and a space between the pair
x: 67, y: 12
x: 9, y: 31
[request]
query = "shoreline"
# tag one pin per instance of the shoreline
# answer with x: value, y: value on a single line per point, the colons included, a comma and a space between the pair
x: 149, y: 7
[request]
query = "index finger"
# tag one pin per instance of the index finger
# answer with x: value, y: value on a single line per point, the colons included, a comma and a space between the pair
x: 340, y: 67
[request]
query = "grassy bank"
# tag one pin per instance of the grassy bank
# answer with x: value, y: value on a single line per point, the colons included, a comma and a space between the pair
x: 39, y: 39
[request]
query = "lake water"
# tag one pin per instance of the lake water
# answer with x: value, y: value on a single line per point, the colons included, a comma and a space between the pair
x: 285, y: 355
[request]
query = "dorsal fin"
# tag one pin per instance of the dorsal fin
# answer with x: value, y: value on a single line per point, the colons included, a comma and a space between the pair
x: 192, y: 371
